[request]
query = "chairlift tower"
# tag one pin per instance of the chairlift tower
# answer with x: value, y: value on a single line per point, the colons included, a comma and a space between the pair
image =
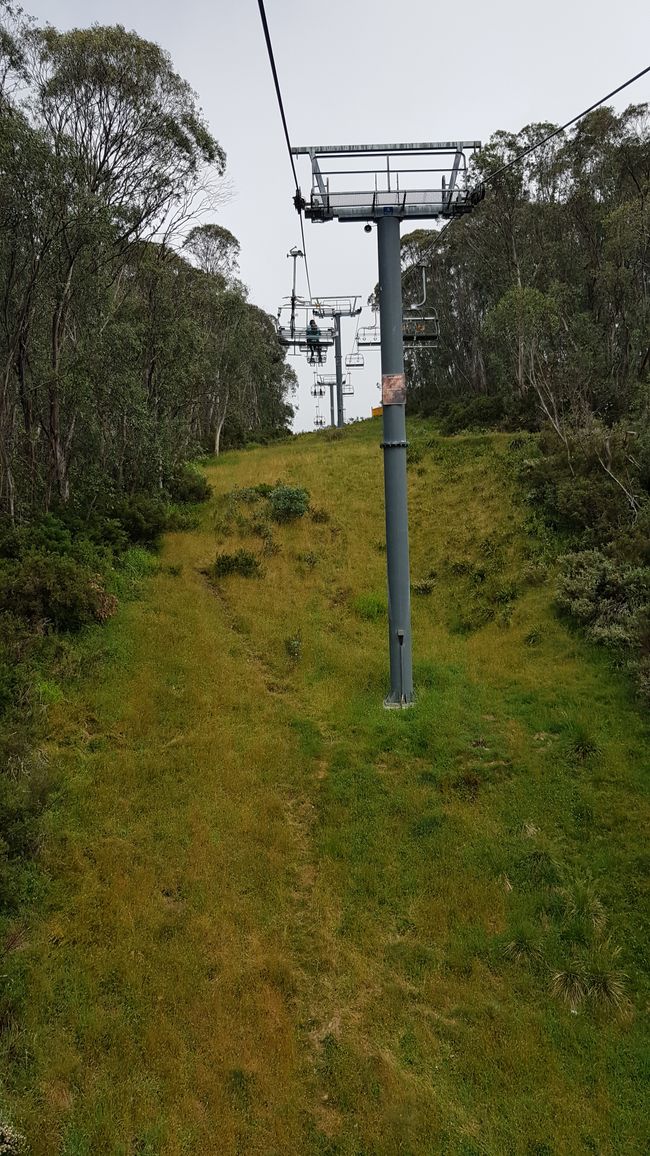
x: 325, y: 381
x: 336, y: 308
x: 386, y: 184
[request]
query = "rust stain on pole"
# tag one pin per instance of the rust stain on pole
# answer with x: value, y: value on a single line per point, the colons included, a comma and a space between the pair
x: 393, y: 389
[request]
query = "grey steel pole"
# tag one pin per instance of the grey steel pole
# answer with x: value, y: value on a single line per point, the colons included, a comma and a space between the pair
x: 339, y: 369
x: 394, y: 447
x: 332, y: 421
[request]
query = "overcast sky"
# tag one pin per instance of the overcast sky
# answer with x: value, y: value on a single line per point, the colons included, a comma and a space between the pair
x: 355, y: 71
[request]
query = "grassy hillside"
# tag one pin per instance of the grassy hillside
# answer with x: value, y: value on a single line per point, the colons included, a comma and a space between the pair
x: 283, y: 920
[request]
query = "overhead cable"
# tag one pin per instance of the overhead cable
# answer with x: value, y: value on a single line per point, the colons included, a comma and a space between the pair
x: 278, y: 93
x: 532, y: 148
x: 563, y: 127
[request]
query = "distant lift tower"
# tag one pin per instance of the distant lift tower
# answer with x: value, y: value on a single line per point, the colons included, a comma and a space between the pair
x: 323, y: 381
x: 336, y: 308
x: 388, y: 184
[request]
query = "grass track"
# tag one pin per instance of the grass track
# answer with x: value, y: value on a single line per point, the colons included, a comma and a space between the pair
x: 279, y: 915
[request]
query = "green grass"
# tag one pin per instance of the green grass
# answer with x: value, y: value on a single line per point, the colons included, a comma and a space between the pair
x: 281, y: 919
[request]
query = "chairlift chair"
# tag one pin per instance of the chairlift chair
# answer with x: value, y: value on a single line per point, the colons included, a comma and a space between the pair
x: 319, y: 421
x: 369, y: 337
x: 354, y: 360
x: 348, y: 387
x: 294, y: 337
x: 317, y: 391
x: 420, y: 332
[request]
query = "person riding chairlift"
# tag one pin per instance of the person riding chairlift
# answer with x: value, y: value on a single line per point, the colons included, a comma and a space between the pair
x: 313, y: 341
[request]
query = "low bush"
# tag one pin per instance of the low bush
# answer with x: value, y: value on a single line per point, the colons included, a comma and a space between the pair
x: 309, y: 558
x: 425, y: 584
x: 12, y: 1142
x: 475, y: 413
x: 182, y: 518
x: 188, y: 485
x: 241, y: 562
x: 51, y: 589
x: 288, y: 502
x: 611, y: 600
x: 142, y: 518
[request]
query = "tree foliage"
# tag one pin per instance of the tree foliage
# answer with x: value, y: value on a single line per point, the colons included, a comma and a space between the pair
x: 543, y: 296
x: 543, y: 292
x: 122, y: 354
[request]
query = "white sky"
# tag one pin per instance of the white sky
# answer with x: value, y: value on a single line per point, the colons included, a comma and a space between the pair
x: 355, y: 71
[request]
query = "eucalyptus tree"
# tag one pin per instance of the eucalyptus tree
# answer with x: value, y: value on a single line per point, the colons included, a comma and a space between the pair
x: 542, y: 292
x: 131, y: 144
x: 120, y: 355
x: 215, y: 251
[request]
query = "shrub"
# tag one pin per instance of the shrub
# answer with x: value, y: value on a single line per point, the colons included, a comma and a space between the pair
x: 12, y: 1142
x: 10, y: 540
x: 54, y: 589
x: 109, y: 532
x: 261, y: 490
x: 424, y: 586
x: 288, y: 502
x: 182, y: 518
x: 610, y: 599
x: 476, y: 413
x: 142, y: 518
x: 242, y: 562
x: 308, y: 558
x: 534, y: 572
x: 188, y: 485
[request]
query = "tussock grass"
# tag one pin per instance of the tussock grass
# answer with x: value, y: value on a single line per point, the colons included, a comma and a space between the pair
x: 284, y: 920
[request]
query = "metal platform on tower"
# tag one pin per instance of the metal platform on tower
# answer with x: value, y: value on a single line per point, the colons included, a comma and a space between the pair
x: 403, y: 180
x: 331, y: 306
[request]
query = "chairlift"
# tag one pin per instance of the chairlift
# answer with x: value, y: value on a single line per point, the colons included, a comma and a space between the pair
x: 317, y: 391
x: 354, y: 360
x: 369, y: 337
x: 319, y: 421
x: 295, y: 333
x: 420, y: 332
x: 348, y: 387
